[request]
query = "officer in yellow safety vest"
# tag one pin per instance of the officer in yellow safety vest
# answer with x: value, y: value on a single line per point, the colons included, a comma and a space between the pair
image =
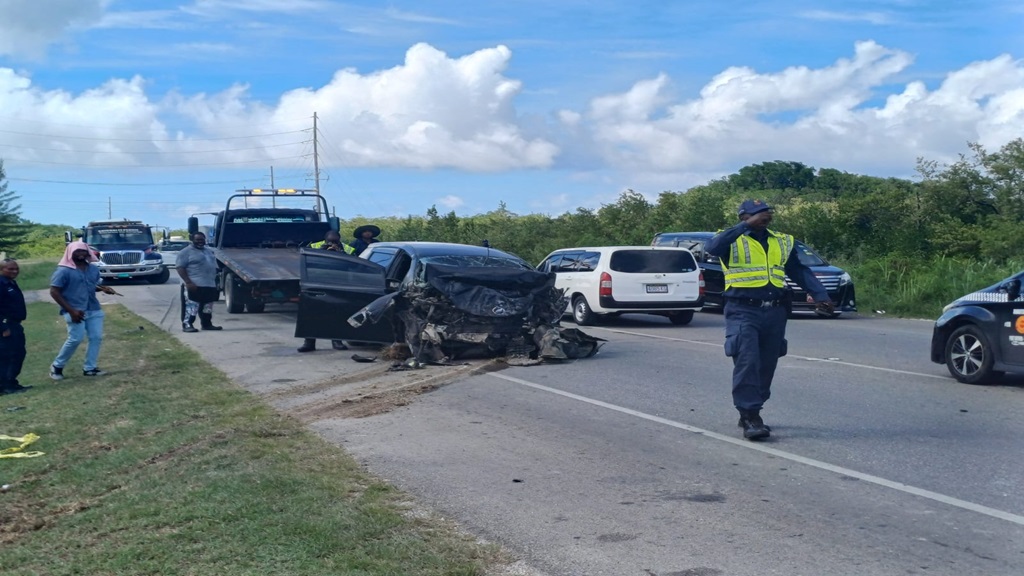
x: 756, y: 261
x: 332, y: 241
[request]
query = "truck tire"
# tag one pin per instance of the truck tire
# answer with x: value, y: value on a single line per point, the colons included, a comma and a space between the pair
x: 254, y: 306
x: 234, y: 295
x: 160, y: 278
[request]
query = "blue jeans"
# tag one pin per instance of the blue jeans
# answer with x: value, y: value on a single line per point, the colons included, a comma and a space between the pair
x: 91, y: 327
x: 755, y: 339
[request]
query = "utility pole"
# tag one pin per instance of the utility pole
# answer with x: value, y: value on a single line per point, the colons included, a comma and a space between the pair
x: 316, y: 158
x: 272, y: 178
x: 110, y: 209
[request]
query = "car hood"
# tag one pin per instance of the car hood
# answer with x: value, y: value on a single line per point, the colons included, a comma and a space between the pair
x: 506, y: 312
x: 828, y: 270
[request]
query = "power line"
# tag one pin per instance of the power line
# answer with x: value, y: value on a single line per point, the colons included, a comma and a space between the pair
x: 47, y: 162
x: 60, y: 137
x: 235, y: 181
x: 23, y: 147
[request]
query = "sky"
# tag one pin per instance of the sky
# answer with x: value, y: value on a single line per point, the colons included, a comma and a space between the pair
x: 155, y: 110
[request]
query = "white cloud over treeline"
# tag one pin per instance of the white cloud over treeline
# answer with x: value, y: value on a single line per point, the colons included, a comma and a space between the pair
x: 865, y: 112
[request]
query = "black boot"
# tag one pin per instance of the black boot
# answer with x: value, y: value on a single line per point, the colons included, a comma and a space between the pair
x: 338, y: 345
x: 753, y: 426
x: 186, y: 324
x: 308, y: 345
x: 206, y: 321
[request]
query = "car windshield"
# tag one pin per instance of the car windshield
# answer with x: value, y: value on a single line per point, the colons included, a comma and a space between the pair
x: 173, y: 246
x: 809, y: 257
x: 481, y: 260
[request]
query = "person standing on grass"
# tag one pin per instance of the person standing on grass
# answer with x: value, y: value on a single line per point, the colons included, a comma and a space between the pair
x: 73, y: 287
x: 197, y: 267
x: 12, y: 335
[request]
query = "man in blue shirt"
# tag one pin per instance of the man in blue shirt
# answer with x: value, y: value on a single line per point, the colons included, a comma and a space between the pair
x: 12, y: 335
x: 756, y: 261
x: 73, y: 286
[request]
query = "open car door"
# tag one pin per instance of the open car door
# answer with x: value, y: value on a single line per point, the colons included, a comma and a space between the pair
x: 333, y: 287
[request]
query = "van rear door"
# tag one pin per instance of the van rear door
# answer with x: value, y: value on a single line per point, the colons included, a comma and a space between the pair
x: 654, y: 275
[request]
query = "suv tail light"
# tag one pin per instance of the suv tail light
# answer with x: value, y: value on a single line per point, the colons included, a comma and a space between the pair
x: 701, y: 283
x: 606, y: 285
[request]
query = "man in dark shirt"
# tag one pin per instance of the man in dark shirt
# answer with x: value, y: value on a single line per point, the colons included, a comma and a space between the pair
x: 12, y: 335
x: 756, y: 261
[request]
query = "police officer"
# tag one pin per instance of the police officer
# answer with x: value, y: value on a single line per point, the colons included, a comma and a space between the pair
x: 332, y: 241
x: 12, y: 335
x: 755, y: 261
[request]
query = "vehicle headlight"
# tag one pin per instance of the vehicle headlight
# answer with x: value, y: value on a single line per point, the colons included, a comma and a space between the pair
x: 845, y: 279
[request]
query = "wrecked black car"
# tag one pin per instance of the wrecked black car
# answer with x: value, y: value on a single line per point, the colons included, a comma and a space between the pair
x: 444, y: 301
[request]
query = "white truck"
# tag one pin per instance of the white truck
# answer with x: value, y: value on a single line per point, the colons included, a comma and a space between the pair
x: 125, y: 250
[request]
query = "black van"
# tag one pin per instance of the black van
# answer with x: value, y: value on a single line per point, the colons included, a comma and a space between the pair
x: 836, y: 280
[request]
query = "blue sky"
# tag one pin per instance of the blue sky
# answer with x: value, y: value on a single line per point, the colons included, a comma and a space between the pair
x: 155, y: 110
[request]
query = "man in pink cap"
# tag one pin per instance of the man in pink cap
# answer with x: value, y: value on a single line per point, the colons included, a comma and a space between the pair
x: 73, y: 286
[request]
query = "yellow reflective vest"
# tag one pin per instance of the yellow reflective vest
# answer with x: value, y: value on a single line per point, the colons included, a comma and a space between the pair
x: 320, y: 245
x: 750, y: 267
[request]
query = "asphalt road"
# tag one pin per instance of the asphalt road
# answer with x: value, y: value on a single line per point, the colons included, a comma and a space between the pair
x: 631, y: 462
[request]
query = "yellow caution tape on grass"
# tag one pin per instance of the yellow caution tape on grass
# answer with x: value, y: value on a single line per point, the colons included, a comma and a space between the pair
x: 16, y: 451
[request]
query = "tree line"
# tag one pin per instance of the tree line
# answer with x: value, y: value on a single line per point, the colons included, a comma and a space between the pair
x: 972, y: 209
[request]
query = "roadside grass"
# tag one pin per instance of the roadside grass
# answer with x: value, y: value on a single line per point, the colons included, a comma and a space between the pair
x: 165, y: 467
x: 919, y: 289
x: 35, y: 274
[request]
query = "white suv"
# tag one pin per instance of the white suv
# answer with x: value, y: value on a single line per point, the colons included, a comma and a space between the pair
x: 613, y: 280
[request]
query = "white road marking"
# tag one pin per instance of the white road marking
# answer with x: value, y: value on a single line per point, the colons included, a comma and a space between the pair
x: 994, y: 513
x: 793, y: 356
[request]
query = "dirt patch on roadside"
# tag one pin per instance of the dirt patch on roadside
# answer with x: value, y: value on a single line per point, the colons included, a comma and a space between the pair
x: 374, y: 391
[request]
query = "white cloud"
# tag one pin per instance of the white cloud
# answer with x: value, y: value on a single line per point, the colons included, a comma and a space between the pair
x: 828, y: 116
x: 437, y: 111
x: 876, y: 18
x: 451, y: 201
x: 28, y: 27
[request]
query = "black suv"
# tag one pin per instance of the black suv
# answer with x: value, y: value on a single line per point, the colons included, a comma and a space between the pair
x: 836, y: 280
x: 981, y: 335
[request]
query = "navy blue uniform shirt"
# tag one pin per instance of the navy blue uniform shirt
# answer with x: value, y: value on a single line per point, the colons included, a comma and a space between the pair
x: 721, y: 246
x: 12, y: 301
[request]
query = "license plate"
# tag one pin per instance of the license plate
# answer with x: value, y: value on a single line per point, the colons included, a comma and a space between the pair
x: 124, y: 275
x: 657, y: 288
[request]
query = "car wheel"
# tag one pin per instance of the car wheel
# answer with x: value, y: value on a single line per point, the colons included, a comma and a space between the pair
x: 681, y: 318
x: 582, y: 313
x: 234, y: 301
x: 160, y: 278
x: 969, y: 356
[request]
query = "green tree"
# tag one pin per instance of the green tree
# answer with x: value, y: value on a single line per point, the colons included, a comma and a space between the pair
x: 12, y: 228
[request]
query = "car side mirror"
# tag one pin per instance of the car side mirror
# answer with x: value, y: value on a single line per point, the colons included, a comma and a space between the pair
x: 1012, y: 289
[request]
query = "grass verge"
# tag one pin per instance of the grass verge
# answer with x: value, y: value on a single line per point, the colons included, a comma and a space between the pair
x: 166, y: 467
x: 35, y: 274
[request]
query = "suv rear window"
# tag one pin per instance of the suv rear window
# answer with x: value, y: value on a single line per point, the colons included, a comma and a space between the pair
x: 652, y: 261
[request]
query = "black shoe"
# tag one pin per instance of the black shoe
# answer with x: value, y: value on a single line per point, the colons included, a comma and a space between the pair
x: 56, y: 373
x: 14, y: 389
x: 308, y: 345
x: 338, y: 345
x: 93, y: 372
x: 188, y: 328
x: 212, y: 327
x: 766, y: 427
x: 753, y: 426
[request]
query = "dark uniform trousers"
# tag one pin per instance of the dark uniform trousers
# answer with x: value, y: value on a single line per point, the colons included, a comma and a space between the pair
x: 755, y: 340
x: 12, y: 355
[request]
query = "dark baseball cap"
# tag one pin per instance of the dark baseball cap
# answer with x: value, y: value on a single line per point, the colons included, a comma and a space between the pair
x: 752, y: 207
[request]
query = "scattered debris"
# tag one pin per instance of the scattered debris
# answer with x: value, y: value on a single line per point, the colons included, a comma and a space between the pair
x: 365, y: 359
